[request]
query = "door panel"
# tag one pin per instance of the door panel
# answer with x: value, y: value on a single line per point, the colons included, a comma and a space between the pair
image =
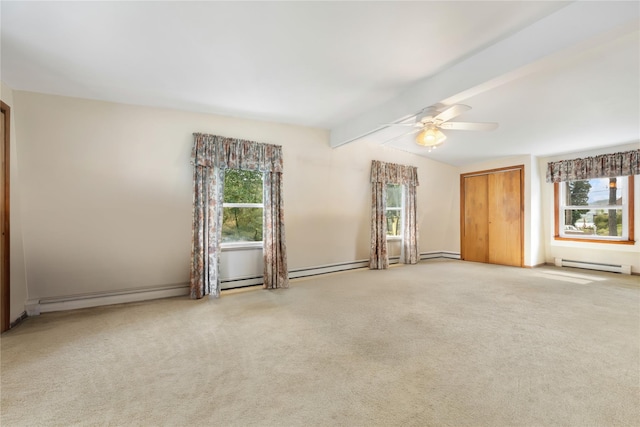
x: 476, y: 230
x: 504, y: 201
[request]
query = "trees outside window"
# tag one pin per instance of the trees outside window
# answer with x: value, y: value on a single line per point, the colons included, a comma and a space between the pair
x: 578, y: 196
x: 595, y: 209
x: 394, y: 210
x: 243, y: 206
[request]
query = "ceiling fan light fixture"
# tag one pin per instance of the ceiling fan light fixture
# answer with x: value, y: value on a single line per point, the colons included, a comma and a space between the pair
x: 430, y: 137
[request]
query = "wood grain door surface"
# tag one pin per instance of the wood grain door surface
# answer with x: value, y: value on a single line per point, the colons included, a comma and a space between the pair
x: 504, y: 218
x: 492, y: 217
x: 476, y: 219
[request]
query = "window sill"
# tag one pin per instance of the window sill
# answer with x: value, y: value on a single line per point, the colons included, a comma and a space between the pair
x: 587, y: 240
x: 394, y: 238
x: 240, y: 246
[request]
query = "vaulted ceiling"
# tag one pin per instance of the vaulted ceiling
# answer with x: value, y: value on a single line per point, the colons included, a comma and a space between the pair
x: 556, y: 76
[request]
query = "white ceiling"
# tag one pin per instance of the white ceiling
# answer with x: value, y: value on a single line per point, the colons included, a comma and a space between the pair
x: 556, y: 78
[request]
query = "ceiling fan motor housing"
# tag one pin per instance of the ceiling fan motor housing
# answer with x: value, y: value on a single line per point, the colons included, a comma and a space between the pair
x: 427, y: 115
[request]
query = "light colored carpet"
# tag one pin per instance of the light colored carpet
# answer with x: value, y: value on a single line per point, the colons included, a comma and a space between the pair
x: 441, y: 343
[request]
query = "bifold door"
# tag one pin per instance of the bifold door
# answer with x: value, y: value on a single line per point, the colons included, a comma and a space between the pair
x: 492, y: 216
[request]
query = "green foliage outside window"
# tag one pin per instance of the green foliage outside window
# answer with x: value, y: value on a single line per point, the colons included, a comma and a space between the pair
x: 579, y: 196
x: 601, y: 221
x: 242, y: 186
x: 394, y: 209
x: 242, y: 224
x: 600, y: 216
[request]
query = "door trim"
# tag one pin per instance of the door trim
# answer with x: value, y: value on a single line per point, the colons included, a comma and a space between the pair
x: 6, y: 264
x: 487, y: 172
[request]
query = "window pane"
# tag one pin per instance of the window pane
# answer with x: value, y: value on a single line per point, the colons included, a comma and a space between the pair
x: 394, y: 195
x: 594, y: 192
x: 242, y: 186
x: 394, y: 222
x: 242, y: 224
x: 595, y: 209
x: 594, y: 222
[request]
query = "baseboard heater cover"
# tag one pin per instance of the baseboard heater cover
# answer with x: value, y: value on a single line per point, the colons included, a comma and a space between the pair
x: 72, y: 302
x: 613, y: 268
x: 439, y: 254
x: 242, y: 282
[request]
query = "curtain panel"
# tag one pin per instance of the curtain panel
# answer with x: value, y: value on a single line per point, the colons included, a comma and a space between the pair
x: 211, y: 156
x: 378, y: 259
x: 409, y: 253
x: 391, y: 173
x: 603, y: 166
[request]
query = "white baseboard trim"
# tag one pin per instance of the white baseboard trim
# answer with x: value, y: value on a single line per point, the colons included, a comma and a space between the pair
x: 18, y: 320
x: 73, y: 302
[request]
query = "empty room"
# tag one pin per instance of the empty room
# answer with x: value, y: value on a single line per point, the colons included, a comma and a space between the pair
x: 358, y: 213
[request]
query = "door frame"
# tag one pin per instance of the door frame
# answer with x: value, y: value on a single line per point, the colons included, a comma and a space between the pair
x: 6, y: 259
x: 462, y: 198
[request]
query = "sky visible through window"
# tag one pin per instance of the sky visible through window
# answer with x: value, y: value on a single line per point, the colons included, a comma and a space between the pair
x: 600, y: 189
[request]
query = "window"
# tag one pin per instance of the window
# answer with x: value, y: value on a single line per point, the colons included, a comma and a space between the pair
x: 394, y: 210
x: 599, y: 209
x: 242, y: 209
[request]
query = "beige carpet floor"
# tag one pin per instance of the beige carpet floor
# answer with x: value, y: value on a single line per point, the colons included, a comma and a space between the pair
x: 441, y: 343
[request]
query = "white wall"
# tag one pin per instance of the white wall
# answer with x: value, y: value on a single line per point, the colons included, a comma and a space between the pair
x: 588, y: 252
x: 107, y: 194
x: 533, y: 251
x: 18, y: 284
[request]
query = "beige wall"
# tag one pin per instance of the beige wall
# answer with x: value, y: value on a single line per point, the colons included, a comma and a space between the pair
x: 107, y: 193
x: 587, y: 252
x: 18, y: 289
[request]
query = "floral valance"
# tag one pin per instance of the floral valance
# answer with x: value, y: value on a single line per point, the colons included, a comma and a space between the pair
x: 392, y: 173
x: 603, y: 166
x: 232, y: 153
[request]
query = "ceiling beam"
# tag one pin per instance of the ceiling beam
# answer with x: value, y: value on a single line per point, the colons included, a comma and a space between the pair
x: 579, y: 23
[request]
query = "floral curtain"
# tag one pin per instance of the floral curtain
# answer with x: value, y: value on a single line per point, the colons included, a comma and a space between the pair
x: 603, y: 166
x: 409, y: 254
x: 207, y: 224
x: 211, y: 156
x: 390, y: 173
x: 378, y: 259
x: 275, y: 248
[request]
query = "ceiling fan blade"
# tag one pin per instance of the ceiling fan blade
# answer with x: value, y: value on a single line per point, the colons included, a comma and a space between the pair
x: 398, y: 124
x: 451, y: 112
x: 400, y: 136
x: 468, y: 126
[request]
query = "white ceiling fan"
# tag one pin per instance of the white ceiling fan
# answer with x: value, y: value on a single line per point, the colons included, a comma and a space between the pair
x: 430, y: 120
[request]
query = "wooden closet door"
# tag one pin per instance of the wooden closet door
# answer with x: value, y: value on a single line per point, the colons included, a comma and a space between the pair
x: 505, y: 201
x: 476, y: 219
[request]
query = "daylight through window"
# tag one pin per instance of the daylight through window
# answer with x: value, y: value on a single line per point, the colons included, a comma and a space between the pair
x: 242, y: 207
x: 594, y: 209
x: 394, y: 210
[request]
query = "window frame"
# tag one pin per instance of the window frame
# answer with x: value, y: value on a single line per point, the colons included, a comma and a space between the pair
x: 628, y: 210
x: 240, y: 245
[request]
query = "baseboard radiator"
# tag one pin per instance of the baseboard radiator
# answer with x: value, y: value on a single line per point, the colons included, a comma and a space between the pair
x: 614, y: 268
x: 72, y: 302
x: 96, y: 299
x: 439, y: 254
